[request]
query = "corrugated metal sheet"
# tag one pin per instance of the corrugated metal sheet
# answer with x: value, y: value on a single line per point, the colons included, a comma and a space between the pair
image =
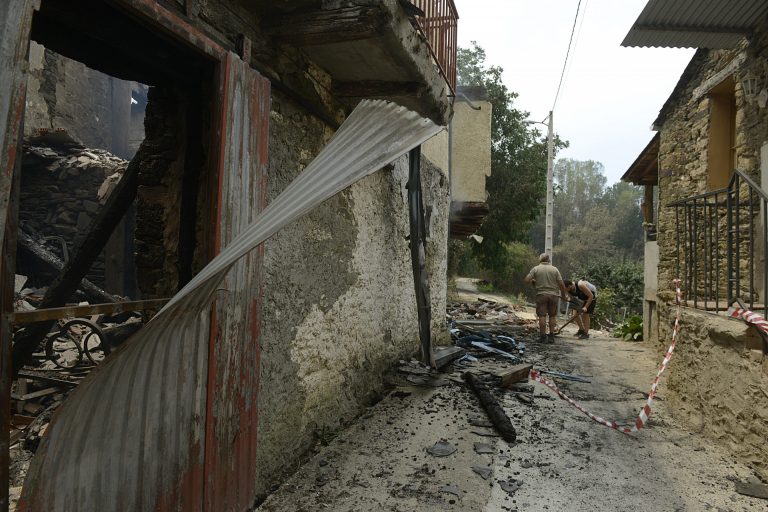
x: 695, y: 23
x: 131, y: 437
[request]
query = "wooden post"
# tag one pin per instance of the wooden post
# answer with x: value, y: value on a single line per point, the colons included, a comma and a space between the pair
x: 418, y: 255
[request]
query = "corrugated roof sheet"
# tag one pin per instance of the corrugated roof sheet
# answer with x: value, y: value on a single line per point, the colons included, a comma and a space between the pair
x: 714, y: 24
x: 122, y: 440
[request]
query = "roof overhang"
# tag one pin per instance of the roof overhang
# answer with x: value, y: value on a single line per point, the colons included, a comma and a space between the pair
x: 712, y: 24
x: 645, y: 169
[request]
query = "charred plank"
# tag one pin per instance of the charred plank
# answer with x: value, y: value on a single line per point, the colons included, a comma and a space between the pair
x: 323, y: 27
x: 492, y: 408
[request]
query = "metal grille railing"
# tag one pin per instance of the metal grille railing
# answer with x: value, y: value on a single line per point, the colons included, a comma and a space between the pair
x: 439, y: 25
x: 722, y: 244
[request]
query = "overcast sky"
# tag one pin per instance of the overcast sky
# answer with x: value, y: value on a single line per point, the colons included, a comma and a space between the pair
x: 610, y: 95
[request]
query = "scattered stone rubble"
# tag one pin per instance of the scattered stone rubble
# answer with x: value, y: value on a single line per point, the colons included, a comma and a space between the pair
x: 63, y: 185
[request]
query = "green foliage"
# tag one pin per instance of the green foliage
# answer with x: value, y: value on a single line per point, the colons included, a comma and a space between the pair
x: 461, y: 258
x: 621, y: 284
x: 517, y: 185
x: 605, y: 309
x: 592, y: 223
x: 516, y: 260
x: 485, y: 286
x: 631, y: 329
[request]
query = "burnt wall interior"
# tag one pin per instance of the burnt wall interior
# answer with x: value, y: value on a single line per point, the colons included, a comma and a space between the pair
x: 63, y: 185
x: 87, y: 79
x: 80, y: 124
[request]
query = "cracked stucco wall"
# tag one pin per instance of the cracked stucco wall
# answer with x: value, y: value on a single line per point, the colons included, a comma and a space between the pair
x: 339, y: 304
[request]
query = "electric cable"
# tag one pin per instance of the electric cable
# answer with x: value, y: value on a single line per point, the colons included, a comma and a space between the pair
x: 567, y: 53
x: 572, y: 58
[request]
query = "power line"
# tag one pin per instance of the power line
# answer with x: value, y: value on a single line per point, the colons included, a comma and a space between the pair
x: 567, y: 53
x: 576, y: 42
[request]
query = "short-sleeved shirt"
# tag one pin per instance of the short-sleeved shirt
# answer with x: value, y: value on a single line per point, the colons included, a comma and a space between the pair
x: 548, y: 279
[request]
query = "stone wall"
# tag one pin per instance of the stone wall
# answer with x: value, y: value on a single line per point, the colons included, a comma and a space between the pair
x: 339, y: 303
x: 717, y: 382
x: 94, y: 108
x: 158, y: 209
x: 718, y: 378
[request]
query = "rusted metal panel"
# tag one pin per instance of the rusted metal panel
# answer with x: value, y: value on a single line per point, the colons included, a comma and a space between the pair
x: 233, y: 362
x: 15, y: 23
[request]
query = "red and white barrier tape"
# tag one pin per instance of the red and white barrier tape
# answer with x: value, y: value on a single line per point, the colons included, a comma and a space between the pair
x: 645, y: 412
x: 736, y: 311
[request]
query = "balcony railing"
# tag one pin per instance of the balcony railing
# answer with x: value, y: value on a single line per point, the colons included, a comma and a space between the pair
x: 439, y: 25
x: 722, y: 246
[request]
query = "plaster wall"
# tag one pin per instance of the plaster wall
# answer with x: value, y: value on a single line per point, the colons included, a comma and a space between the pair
x: 339, y: 302
x: 471, y: 158
x: 436, y: 150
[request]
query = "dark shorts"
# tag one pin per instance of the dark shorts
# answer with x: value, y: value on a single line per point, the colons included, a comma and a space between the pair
x: 546, y: 305
x: 591, y: 308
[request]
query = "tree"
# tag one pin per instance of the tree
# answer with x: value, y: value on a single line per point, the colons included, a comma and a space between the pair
x: 517, y: 185
x: 623, y: 199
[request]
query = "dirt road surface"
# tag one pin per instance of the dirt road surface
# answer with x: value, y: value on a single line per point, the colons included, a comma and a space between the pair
x: 561, y: 460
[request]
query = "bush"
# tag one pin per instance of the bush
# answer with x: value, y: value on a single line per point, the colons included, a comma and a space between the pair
x: 631, y: 329
x: 461, y: 260
x: 624, y: 279
x: 485, y: 287
x: 605, y: 309
x: 514, y: 264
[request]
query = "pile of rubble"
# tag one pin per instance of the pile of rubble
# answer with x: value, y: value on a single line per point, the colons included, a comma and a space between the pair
x: 63, y: 185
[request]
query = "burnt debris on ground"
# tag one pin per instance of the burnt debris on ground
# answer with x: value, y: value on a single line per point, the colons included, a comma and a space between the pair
x: 64, y: 187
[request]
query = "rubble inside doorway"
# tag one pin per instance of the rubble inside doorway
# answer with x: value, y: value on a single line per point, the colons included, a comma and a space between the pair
x: 64, y: 184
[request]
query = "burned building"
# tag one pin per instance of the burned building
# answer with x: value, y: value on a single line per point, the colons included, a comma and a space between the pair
x: 242, y: 96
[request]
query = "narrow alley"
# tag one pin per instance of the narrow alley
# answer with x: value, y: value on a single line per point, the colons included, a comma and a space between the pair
x: 397, y: 255
x: 561, y: 461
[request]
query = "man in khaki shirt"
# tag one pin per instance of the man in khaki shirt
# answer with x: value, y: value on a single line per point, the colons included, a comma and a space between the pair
x: 549, y: 287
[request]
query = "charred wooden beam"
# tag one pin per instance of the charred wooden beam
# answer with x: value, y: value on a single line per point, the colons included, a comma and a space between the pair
x: 91, y: 245
x: 39, y: 255
x: 114, y: 308
x: 374, y: 88
x: 418, y: 255
x: 329, y: 26
x: 492, y: 408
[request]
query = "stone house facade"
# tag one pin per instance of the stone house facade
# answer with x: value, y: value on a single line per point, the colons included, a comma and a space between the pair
x: 333, y: 304
x: 705, y: 175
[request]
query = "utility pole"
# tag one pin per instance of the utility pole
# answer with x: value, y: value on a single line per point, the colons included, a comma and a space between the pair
x: 550, y: 191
